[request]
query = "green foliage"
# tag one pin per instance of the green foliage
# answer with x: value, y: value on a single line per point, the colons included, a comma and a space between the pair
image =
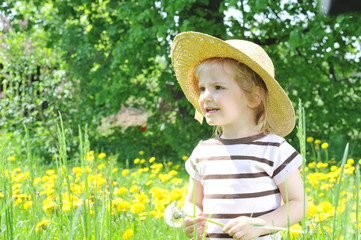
x: 114, y: 53
x: 34, y: 88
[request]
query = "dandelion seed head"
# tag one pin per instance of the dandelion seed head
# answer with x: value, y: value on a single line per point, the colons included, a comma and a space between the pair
x: 173, y: 215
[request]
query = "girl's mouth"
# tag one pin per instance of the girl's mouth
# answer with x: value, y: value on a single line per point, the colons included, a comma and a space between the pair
x: 212, y: 110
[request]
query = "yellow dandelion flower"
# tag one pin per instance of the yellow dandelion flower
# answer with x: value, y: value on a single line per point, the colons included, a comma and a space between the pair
x: 164, y: 177
x: 184, y: 158
x: 136, y: 161
x: 28, y: 204
x: 142, y: 198
x: 142, y: 161
x: 18, y: 201
x: 125, y: 172
x: 134, y: 189
x: 141, y: 152
x: 177, y: 181
x: 324, y: 145
x: 319, y: 165
x: 333, y: 168
x: 325, y: 206
x: 321, y: 217
x: 120, y: 191
x: 148, y: 182
x: 37, y: 180
x: 123, y: 206
x: 42, y: 225
x: 101, y: 166
x: 152, y: 213
x: 350, y: 161
x: 101, y: 155
x: 45, y: 178
x: 137, y: 208
x: 340, y: 209
x: 50, y: 172
x: 317, y: 141
x: 128, y: 234
x: 115, y: 170
x: 11, y: 158
x: 152, y: 159
x: 66, y: 206
x: 310, y: 139
x: 48, y: 205
x: 16, y: 186
x: 312, y: 209
x: 22, y: 176
x: 294, y: 235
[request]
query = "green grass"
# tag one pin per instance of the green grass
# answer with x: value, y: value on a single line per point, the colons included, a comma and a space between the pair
x: 80, y: 204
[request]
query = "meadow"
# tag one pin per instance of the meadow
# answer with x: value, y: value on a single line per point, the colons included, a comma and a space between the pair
x: 93, y: 196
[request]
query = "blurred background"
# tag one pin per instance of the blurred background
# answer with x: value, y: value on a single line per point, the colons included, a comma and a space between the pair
x: 105, y: 67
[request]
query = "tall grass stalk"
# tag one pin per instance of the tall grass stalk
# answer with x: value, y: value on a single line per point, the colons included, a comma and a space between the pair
x: 61, y: 163
x: 288, y: 211
x: 338, y: 191
x: 7, y: 189
x: 195, y: 235
x: 33, y: 191
x: 301, y: 135
x: 357, y: 199
x: 85, y: 148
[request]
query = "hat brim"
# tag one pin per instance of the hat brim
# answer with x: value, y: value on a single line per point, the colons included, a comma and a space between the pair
x: 189, y: 49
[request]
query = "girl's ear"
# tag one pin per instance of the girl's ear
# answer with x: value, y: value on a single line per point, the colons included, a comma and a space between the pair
x: 257, y: 97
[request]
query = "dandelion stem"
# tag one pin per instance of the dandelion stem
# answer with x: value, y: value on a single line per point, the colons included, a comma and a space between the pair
x: 254, y: 225
x: 209, y: 220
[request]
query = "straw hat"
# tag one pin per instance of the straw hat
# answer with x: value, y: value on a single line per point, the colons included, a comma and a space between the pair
x: 189, y: 49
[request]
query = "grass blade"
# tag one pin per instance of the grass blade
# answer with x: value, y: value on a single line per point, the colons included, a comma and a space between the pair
x: 338, y: 190
x: 357, y: 199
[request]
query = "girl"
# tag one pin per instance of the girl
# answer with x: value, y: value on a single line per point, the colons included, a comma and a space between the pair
x: 244, y: 172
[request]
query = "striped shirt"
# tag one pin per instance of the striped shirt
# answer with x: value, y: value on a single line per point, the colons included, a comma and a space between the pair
x: 240, y: 177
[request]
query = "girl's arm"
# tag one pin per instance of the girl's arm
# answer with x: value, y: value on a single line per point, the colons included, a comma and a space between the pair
x: 188, y: 208
x: 293, y: 190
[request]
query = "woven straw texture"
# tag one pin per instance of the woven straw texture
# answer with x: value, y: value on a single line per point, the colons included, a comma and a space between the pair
x: 189, y: 49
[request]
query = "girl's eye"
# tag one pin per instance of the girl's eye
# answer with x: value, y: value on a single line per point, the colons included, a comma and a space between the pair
x: 218, y: 87
x: 202, y: 89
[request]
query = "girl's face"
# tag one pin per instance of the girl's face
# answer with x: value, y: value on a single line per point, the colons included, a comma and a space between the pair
x: 223, y: 102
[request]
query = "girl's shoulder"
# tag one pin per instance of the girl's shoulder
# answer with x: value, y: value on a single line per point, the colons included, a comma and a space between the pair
x: 272, y: 138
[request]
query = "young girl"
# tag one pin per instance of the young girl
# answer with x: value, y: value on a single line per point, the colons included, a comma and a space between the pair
x: 242, y: 174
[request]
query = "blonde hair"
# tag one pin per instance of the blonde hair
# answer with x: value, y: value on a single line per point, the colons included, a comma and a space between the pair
x: 248, y: 80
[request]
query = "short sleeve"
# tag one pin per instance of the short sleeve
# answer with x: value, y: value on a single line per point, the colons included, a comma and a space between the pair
x: 191, y: 168
x: 286, y: 161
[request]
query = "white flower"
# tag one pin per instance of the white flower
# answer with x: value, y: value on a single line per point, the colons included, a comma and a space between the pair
x: 173, y: 215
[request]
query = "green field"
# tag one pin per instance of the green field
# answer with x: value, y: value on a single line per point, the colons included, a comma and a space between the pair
x: 95, y: 197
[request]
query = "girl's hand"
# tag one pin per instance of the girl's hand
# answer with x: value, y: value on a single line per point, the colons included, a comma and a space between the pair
x: 240, y: 228
x: 200, y: 223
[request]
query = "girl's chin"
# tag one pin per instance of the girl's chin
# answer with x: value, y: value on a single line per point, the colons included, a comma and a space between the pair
x: 211, y: 122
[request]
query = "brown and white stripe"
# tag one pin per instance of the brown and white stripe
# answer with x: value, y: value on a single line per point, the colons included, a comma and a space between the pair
x: 240, y: 177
